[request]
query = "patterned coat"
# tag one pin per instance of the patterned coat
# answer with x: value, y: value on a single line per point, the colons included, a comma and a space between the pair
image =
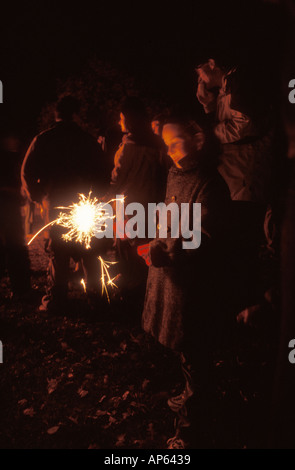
x: 246, y: 138
x: 183, y: 284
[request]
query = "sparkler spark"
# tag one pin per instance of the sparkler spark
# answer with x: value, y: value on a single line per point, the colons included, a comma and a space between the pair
x: 83, y: 220
x: 84, y: 285
x: 41, y: 230
x: 105, y: 277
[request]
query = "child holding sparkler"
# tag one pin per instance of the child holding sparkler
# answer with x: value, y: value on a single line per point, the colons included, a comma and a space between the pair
x: 184, y: 286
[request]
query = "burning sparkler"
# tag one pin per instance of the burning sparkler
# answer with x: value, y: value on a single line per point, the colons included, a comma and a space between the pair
x: 105, y: 277
x: 83, y: 285
x: 84, y: 220
x: 42, y: 230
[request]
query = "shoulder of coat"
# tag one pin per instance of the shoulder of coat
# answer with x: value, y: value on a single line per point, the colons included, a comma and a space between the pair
x: 127, y: 139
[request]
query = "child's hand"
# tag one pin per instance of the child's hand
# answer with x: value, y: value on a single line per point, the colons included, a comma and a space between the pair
x: 144, y: 252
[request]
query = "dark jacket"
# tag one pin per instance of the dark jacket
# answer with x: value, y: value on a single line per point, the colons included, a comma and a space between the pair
x: 182, y: 283
x: 138, y: 173
x: 242, y: 124
x: 62, y: 162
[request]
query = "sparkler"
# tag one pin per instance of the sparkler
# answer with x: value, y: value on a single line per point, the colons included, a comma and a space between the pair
x: 83, y: 220
x: 83, y: 285
x: 41, y: 230
x: 105, y: 277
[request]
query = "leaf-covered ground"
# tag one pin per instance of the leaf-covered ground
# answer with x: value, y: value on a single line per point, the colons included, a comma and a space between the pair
x: 90, y: 378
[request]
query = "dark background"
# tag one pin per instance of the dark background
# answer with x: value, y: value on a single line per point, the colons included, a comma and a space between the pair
x: 157, y: 42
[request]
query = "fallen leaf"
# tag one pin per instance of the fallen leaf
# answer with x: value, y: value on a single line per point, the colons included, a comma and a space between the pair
x: 89, y: 376
x: 93, y: 447
x: 22, y: 402
x: 52, y: 385
x: 74, y: 420
x: 53, y: 430
x: 100, y: 413
x: 123, y: 346
x: 115, y: 401
x: 82, y: 392
x: 121, y: 440
x: 111, y: 421
x: 29, y: 412
x: 126, y: 394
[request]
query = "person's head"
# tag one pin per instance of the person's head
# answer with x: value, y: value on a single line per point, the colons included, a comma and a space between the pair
x: 157, y: 124
x: 66, y: 108
x: 211, y: 74
x: 133, y: 115
x: 182, y: 138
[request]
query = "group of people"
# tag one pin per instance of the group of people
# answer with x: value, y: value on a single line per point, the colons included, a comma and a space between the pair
x: 189, y: 297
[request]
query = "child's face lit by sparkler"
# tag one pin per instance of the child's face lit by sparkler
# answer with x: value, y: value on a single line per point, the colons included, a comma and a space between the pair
x: 179, y: 143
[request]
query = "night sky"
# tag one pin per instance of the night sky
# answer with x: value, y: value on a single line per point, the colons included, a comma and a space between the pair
x: 159, y: 42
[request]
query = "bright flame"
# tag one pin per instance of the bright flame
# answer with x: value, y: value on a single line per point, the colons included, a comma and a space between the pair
x: 83, y: 220
x: 83, y: 285
x: 105, y: 277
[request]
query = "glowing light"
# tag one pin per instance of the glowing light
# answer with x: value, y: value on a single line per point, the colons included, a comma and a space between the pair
x: 82, y: 219
x: 83, y: 285
x: 41, y: 230
x: 105, y: 277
